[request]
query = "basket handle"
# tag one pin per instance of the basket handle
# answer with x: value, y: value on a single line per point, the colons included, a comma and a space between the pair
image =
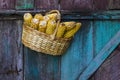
x: 58, y: 22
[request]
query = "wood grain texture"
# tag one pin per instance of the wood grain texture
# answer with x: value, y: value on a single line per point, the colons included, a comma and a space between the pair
x: 101, y: 4
x: 104, y: 52
x: 24, y: 4
x: 76, y: 5
x: 114, y: 4
x: 46, y: 4
x: 7, y: 4
x: 39, y: 66
x: 79, y: 54
x: 101, y: 29
x: 110, y: 69
x: 11, y: 57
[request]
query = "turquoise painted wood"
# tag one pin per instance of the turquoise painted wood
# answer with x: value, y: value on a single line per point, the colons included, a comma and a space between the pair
x: 79, y: 54
x: 87, y: 45
x: 92, y: 44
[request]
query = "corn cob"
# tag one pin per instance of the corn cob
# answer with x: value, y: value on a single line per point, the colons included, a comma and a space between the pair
x: 52, y: 16
x: 38, y: 16
x: 70, y: 25
x: 27, y: 18
x: 61, y: 30
x: 46, y: 18
x: 71, y: 32
x: 42, y: 26
x: 51, y: 26
x: 34, y: 23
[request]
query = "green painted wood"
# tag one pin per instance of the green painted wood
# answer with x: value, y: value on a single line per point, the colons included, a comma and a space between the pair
x: 11, y: 50
x: 39, y: 66
x: 79, y: 54
x: 24, y: 4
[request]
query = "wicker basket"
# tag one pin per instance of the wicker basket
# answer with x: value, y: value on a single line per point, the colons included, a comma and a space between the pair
x: 44, y: 43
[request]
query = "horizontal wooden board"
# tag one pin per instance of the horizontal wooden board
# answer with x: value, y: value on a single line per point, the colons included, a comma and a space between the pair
x: 46, y: 4
x: 114, y: 4
x: 7, y: 4
x: 101, y: 4
x: 76, y: 5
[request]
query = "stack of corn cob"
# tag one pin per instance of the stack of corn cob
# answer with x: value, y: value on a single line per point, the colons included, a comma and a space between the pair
x: 47, y: 24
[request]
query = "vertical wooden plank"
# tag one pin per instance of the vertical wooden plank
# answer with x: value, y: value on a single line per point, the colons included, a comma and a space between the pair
x: 7, y: 4
x: 46, y: 4
x: 101, y: 29
x: 79, y: 54
x: 76, y: 5
x: 39, y: 66
x: 114, y: 4
x: 101, y: 4
x: 11, y: 64
x: 24, y: 4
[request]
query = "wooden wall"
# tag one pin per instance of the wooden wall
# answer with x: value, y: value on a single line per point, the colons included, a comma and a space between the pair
x: 18, y: 62
x: 64, y: 5
x: 110, y: 69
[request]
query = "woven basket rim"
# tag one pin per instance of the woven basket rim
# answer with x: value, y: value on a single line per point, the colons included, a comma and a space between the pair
x: 44, y: 34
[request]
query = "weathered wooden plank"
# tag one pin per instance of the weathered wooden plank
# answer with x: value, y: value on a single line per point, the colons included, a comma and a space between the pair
x: 46, y: 4
x: 11, y: 60
x: 105, y: 15
x: 76, y: 5
x: 39, y: 66
x: 103, y: 32
x: 101, y: 4
x: 24, y: 4
x: 103, y: 54
x: 114, y: 4
x: 79, y: 54
x: 110, y: 69
x: 7, y: 4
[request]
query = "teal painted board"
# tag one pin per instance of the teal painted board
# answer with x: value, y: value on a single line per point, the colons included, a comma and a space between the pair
x: 39, y: 66
x: 100, y: 58
x: 103, y: 33
x: 24, y: 4
x: 79, y: 54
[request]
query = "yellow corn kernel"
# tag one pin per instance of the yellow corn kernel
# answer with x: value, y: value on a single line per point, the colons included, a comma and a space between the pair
x: 42, y: 26
x: 46, y: 18
x: 38, y: 16
x: 61, y: 30
x: 51, y: 27
x: 34, y: 23
x: 70, y: 25
x: 52, y: 16
x: 71, y: 32
x: 27, y: 18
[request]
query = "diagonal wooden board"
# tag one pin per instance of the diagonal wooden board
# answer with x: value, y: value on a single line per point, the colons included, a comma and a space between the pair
x: 102, y: 55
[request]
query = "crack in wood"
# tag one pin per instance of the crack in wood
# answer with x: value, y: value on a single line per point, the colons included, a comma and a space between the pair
x: 16, y: 71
